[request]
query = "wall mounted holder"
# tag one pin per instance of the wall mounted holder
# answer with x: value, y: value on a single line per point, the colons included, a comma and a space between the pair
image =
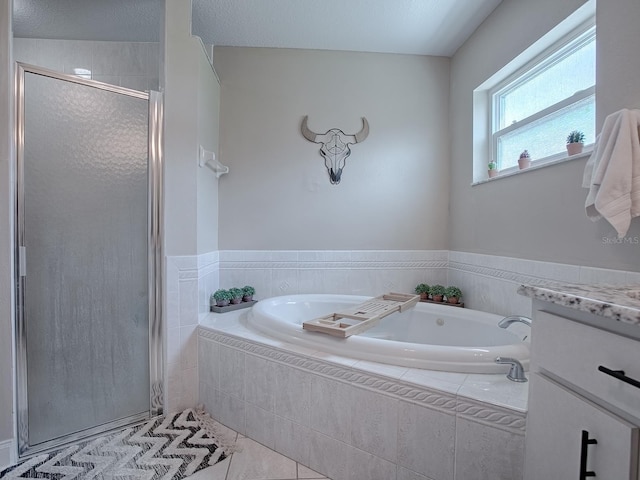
x: 208, y: 159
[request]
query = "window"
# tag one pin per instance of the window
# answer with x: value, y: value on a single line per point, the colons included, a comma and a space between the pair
x: 536, y: 107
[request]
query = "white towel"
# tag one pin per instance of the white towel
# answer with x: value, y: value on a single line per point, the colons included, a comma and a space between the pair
x: 612, y: 173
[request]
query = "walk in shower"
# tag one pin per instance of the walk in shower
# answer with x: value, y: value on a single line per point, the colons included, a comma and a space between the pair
x: 89, y: 355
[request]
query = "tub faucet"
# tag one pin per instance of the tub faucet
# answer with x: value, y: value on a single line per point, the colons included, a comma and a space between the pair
x: 516, y: 372
x: 506, y: 321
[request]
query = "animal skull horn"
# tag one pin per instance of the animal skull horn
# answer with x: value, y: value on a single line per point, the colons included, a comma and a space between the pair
x: 306, y: 133
x: 313, y: 137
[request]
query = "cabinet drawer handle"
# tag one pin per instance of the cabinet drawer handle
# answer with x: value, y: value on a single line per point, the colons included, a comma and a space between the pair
x: 619, y: 374
x: 586, y: 441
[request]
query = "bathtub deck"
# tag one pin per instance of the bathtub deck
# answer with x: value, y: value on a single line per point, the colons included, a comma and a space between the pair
x: 361, y: 317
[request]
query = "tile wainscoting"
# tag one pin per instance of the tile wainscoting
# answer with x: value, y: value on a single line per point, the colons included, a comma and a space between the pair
x: 274, y: 273
x: 189, y: 282
x: 353, y: 420
x: 7, y: 453
x: 488, y: 281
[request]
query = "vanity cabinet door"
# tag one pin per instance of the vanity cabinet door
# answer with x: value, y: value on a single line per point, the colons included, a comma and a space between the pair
x: 554, y: 437
x: 575, y: 352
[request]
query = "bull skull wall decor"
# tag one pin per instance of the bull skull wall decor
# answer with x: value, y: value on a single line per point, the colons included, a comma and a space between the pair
x: 335, y: 146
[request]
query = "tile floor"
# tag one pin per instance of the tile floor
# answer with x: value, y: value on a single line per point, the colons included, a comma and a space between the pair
x: 252, y: 461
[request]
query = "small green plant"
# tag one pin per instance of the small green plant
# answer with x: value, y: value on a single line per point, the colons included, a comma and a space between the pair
x: 422, y: 288
x: 235, y: 292
x: 248, y: 291
x: 454, y: 292
x: 492, y: 166
x: 221, y: 295
x: 436, y: 290
x: 525, y: 154
x: 575, y: 137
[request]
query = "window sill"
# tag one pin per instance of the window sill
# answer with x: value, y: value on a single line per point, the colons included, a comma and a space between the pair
x: 510, y: 173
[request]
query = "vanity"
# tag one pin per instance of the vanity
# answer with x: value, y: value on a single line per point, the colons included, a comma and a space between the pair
x: 584, y: 393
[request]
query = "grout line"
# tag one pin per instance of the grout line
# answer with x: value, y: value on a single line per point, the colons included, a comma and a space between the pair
x: 226, y: 475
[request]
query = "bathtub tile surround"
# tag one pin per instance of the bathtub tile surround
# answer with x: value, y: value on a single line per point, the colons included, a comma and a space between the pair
x: 208, y: 280
x: 475, y: 452
x: 324, y: 417
x: 291, y: 439
x: 426, y: 440
x: 189, y: 282
x: 489, y: 283
x: 374, y: 423
x: 275, y: 273
x: 343, y: 420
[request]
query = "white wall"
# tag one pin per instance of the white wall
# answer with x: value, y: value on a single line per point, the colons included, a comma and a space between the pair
x: 208, y: 124
x: 394, y: 188
x: 180, y: 82
x: 191, y: 109
x: 540, y: 214
x: 617, y: 73
x: 6, y: 234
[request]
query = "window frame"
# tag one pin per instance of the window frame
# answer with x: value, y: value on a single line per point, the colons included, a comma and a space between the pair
x: 558, y: 51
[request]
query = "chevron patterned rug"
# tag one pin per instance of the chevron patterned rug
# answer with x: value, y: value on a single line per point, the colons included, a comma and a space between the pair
x: 167, y: 447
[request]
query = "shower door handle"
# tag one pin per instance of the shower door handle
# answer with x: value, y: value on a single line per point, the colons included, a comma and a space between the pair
x: 22, y: 261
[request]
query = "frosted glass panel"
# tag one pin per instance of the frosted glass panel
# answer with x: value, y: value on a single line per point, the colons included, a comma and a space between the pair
x: 86, y: 236
x: 560, y: 80
x: 547, y: 136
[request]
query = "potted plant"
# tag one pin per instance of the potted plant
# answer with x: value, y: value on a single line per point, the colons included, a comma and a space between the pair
x: 221, y: 297
x: 247, y: 293
x: 492, y: 169
x: 422, y: 289
x: 437, y: 292
x: 575, y: 142
x: 453, y: 294
x: 236, y: 295
x: 525, y: 160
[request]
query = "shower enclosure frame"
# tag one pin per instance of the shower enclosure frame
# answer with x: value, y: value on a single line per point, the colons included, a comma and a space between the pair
x: 154, y: 262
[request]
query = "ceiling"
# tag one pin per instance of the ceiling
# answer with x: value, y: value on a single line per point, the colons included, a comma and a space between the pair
x: 423, y: 27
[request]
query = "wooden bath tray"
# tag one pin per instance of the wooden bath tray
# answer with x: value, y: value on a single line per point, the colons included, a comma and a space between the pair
x: 361, y: 317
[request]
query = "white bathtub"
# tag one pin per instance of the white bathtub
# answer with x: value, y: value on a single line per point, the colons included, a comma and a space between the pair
x: 429, y: 336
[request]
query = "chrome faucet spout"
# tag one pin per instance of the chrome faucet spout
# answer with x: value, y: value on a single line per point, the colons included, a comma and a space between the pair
x: 506, y: 321
x: 516, y: 372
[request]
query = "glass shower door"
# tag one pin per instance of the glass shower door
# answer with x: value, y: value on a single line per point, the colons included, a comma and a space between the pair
x: 84, y: 236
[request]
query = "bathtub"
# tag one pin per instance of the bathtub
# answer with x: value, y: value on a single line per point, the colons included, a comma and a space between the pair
x: 428, y: 336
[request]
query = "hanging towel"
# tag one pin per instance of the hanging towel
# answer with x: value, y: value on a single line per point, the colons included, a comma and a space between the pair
x: 612, y: 173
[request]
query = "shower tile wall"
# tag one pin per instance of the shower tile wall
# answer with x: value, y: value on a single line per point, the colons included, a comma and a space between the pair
x: 490, y: 282
x: 133, y: 65
x: 189, y: 282
x: 370, y: 272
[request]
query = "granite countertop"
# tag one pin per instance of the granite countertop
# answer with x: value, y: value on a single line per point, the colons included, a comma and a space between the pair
x: 621, y: 303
